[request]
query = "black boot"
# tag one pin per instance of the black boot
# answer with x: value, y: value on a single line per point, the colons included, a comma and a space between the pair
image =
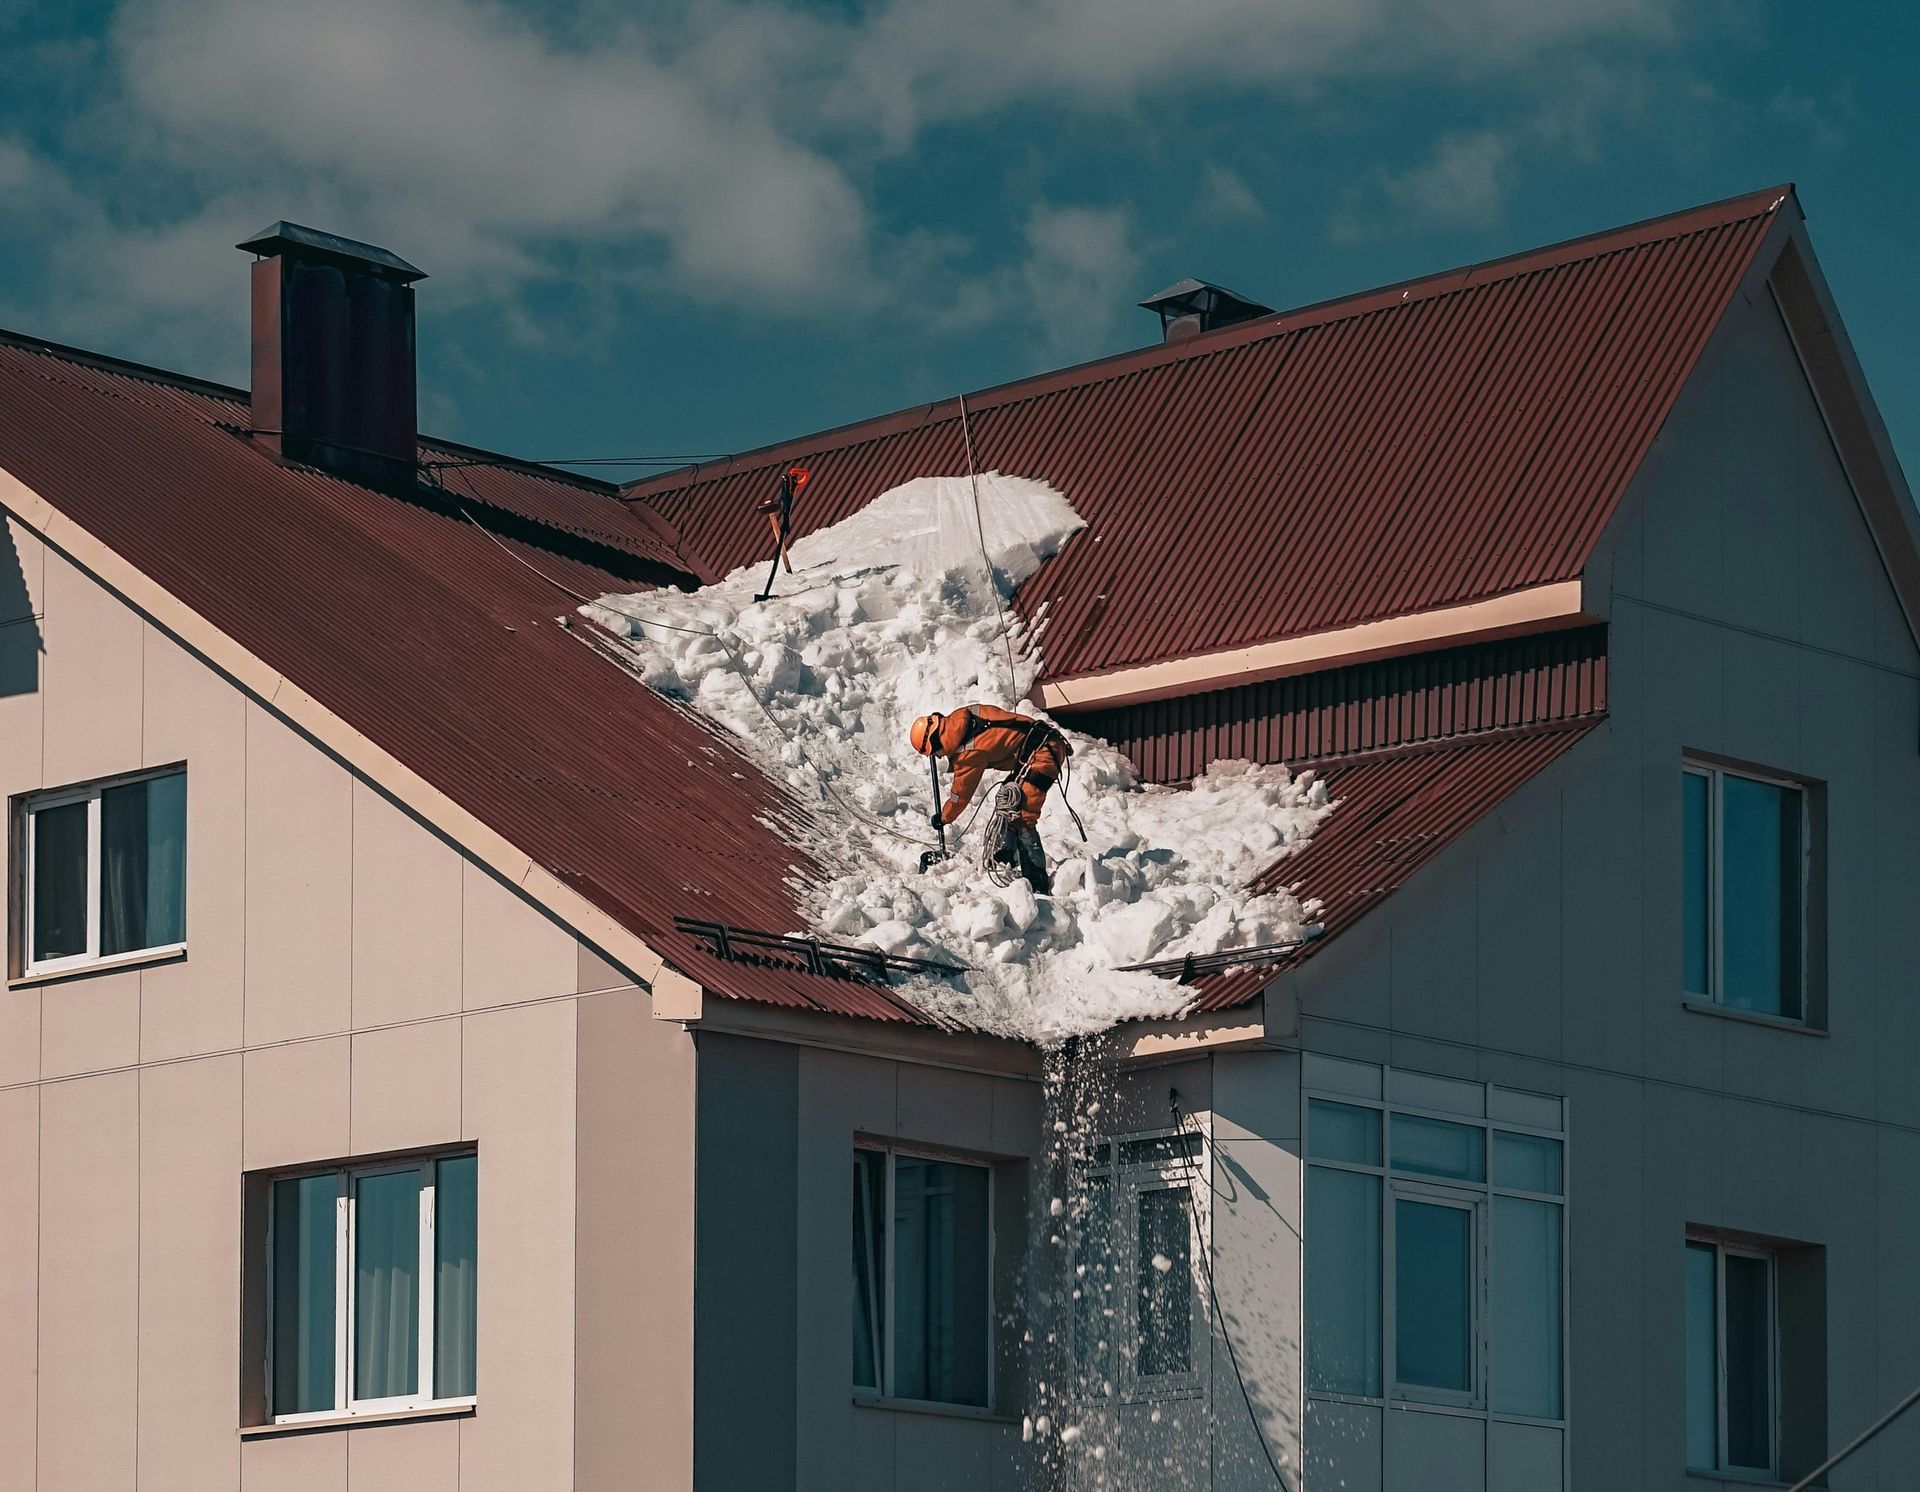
x: 1033, y: 860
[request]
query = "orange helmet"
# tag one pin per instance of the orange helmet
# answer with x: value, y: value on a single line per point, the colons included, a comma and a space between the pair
x: 925, y: 734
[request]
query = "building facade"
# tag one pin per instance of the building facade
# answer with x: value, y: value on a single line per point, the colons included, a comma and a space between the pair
x: 367, y: 1123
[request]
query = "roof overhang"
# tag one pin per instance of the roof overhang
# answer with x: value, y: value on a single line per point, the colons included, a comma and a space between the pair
x: 1540, y: 608
x: 286, y: 699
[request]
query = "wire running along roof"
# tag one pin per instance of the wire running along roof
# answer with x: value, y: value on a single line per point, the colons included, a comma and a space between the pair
x: 1453, y: 438
x: 1445, y: 441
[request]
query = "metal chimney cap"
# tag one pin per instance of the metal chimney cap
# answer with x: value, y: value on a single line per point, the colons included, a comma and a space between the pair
x: 278, y: 237
x: 1185, y: 297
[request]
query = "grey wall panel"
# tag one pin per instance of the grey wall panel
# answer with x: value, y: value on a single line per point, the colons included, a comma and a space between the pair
x: 746, y: 1265
x: 1435, y: 1452
x: 1256, y: 1240
x: 1524, y: 1458
x: 1344, y: 1447
x: 1256, y: 1095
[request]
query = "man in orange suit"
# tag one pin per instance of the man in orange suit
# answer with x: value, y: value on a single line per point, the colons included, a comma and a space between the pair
x: 979, y: 738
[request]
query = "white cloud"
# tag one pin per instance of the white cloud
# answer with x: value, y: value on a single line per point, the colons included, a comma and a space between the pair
x: 714, y: 150
x: 1461, y: 184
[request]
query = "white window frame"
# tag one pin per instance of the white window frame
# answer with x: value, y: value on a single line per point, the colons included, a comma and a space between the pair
x: 1722, y: 1249
x: 1478, y: 1196
x: 1715, y: 776
x: 1127, y: 1180
x: 347, y: 1181
x: 885, y: 1393
x: 31, y: 807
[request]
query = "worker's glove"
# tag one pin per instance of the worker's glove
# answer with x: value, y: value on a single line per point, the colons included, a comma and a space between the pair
x: 937, y: 820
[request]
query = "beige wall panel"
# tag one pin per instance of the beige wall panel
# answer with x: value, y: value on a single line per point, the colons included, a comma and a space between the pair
x: 19, y: 1269
x: 518, y: 1097
x: 189, y: 1274
x: 90, y: 1023
x: 89, y: 1282
x: 19, y: 1035
x: 296, y: 1103
x: 406, y: 916
x: 406, y: 1087
x: 511, y: 952
x: 295, y: 1463
x: 299, y: 884
x: 423, y: 1456
x: 90, y: 682
x: 193, y: 715
x: 635, y: 1173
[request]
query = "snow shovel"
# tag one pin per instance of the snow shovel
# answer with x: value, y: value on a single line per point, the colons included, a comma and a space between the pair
x: 930, y: 858
x: 779, y: 511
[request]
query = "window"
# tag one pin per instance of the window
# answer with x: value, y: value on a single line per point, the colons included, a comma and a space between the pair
x: 1746, y: 863
x: 1135, y: 1321
x: 1732, y: 1358
x: 922, y: 1277
x: 371, y: 1287
x: 1427, y: 1278
x: 103, y: 871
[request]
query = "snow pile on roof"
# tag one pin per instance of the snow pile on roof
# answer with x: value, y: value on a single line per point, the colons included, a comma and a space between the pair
x: 892, y: 614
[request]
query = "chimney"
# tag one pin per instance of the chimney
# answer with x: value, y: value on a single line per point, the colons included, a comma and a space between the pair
x: 1189, y: 307
x: 333, y: 375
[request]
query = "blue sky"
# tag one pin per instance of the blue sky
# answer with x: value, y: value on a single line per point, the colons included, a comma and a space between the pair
x: 665, y: 227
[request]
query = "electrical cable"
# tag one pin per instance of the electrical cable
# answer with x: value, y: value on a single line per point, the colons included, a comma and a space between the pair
x: 1213, y: 1294
x: 980, y: 528
x: 739, y: 665
x: 1859, y: 1440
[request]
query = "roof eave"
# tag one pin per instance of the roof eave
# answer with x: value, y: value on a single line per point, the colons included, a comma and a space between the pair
x: 1540, y: 608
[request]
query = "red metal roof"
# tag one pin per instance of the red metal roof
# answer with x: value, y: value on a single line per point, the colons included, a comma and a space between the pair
x: 1434, y: 443
x: 1394, y: 813
x: 425, y: 634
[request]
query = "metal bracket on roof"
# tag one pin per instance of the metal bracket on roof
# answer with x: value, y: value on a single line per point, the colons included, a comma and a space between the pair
x: 744, y: 945
x: 1193, y: 965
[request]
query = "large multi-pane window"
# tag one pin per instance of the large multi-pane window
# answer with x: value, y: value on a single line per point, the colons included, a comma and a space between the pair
x: 1746, y: 858
x: 1732, y: 1358
x: 1135, y: 1316
x: 371, y: 1287
x: 104, y: 870
x: 1434, y: 1259
x: 922, y: 1277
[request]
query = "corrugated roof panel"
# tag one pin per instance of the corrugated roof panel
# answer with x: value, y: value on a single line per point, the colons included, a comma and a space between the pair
x: 1446, y: 441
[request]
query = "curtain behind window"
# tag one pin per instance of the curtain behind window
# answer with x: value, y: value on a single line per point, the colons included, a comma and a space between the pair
x: 386, y: 1305
x: 143, y: 861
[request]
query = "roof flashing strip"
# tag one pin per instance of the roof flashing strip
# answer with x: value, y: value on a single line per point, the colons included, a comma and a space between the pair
x: 1540, y: 608
x: 359, y: 752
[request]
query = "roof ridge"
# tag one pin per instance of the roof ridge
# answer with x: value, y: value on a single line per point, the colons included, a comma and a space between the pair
x: 1322, y: 312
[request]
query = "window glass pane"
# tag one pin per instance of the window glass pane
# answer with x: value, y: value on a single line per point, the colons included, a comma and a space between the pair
x: 1343, y: 1131
x: 1749, y: 1362
x: 1526, y: 1307
x: 1093, y: 1277
x: 1703, y: 1352
x: 1527, y: 1163
x: 1432, y: 1147
x: 386, y: 1271
x: 1433, y: 1295
x: 1760, y: 856
x: 940, y: 1281
x: 1343, y: 1282
x: 60, y: 881
x: 1696, y: 795
x: 1163, y: 1272
x: 869, y: 1266
x: 143, y: 844
x: 456, y: 1241
x: 304, y: 1241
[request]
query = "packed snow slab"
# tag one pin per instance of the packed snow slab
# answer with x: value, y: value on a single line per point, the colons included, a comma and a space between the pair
x: 893, y: 613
